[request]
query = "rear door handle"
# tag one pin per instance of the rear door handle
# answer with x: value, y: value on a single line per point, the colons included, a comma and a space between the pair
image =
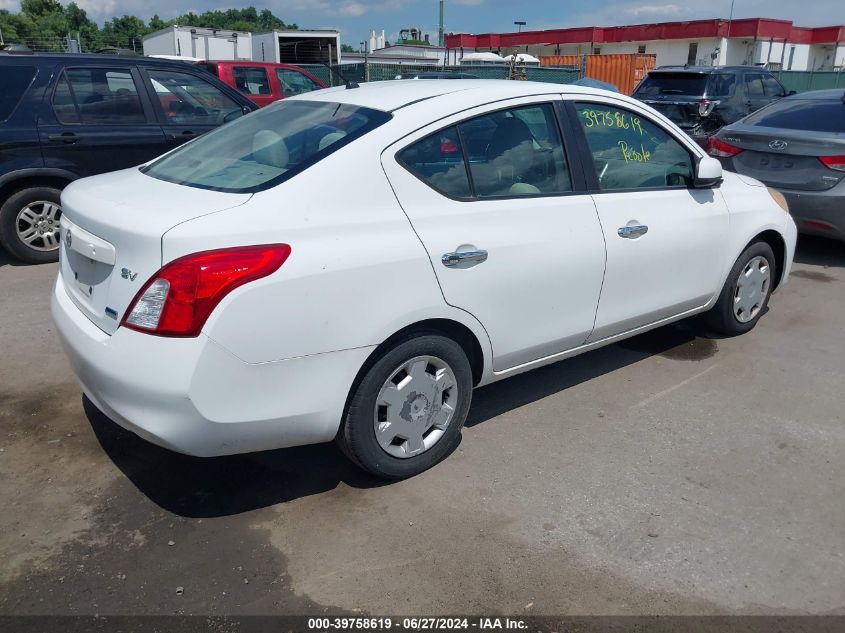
x: 64, y: 137
x: 184, y: 134
x: 632, y: 231
x: 460, y: 257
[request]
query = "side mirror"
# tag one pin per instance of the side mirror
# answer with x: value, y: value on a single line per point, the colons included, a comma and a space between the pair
x: 708, y: 173
x: 791, y: 92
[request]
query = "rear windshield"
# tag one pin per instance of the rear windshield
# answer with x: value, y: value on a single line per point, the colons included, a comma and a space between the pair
x: 14, y: 81
x: 656, y: 84
x: 267, y: 147
x: 811, y: 115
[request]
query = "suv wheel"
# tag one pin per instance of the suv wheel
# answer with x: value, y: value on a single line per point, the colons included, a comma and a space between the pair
x: 29, y: 224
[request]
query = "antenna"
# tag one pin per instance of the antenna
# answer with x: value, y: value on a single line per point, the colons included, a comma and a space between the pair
x: 349, y: 83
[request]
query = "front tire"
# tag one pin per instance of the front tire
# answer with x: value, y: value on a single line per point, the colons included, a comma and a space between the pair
x: 407, y: 411
x: 29, y: 224
x: 746, y: 292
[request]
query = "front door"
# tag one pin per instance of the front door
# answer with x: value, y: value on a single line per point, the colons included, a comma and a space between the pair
x: 490, y: 194
x: 665, y: 240
x: 97, y: 120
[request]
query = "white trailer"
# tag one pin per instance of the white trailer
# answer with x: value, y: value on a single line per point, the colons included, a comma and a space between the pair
x: 297, y: 47
x: 197, y: 42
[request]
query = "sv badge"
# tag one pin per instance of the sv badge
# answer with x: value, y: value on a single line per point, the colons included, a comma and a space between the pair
x: 128, y: 274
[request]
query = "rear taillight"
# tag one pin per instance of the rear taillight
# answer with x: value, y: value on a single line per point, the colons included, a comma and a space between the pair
x: 717, y: 147
x: 178, y: 299
x: 705, y: 106
x: 833, y: 162
x: 448, y: 146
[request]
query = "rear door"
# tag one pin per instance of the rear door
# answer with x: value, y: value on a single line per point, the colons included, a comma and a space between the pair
x: 665, y: 240
x: 755, y: 94
x: 512, y: 241
x: 98, y: 120
x: 187, y: 104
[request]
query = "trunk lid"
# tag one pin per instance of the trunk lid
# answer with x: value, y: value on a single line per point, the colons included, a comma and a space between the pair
x: 683, y: 112
x: 785, y: 159
x: 111, y: 231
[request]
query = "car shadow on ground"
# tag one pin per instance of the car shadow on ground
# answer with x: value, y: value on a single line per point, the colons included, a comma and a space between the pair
x: 820, y: 251
x: 223, y: 486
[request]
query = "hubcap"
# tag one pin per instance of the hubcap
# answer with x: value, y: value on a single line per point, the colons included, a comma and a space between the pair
x: 415, y: 406
x: 38, y: 225
x: 751, y: 289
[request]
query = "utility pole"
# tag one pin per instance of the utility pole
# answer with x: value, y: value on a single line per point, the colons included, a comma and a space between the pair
x: 440, y: 38
x: 520, y: 24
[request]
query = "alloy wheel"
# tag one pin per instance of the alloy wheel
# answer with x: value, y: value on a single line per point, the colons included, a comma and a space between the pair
x: 38, y: 225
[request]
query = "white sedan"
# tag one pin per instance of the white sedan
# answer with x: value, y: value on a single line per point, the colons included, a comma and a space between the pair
x: 351, y: 263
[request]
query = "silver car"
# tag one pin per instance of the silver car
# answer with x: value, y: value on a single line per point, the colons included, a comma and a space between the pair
x: 795, y: 145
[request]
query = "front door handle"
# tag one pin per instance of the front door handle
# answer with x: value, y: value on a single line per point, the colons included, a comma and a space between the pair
x: 460, y: 257
x: 632, y: 231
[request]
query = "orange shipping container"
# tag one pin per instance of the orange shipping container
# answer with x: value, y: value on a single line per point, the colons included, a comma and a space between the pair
x: 623, y: 71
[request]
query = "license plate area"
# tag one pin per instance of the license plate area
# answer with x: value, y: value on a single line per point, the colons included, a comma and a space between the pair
x: 776, y: 162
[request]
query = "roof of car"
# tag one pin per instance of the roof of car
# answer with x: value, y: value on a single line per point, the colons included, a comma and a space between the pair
x: 392, y: 95
x: 98, y: 58
x: 248, y: 62
x: 702, y: 70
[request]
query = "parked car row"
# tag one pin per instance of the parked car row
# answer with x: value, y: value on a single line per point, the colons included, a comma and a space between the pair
x: 64, y: 117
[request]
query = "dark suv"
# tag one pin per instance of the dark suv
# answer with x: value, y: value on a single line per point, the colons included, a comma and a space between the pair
x: 63, y: 117
x: 702, y: 99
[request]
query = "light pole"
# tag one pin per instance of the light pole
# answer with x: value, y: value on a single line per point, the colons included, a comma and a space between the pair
x: 520, y: 24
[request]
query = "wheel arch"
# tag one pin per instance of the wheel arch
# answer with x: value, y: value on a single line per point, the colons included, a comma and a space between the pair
x: 447, y: 327
x: 17, y: 181
x: 778, y: 245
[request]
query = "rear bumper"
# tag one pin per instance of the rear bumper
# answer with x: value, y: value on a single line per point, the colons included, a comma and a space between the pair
x: 818, y: 212
x: 193, y: 396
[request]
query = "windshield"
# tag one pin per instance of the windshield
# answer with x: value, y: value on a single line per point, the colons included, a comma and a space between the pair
x: 811, y: 115
x: 267, y: 147
x: 691, y: 84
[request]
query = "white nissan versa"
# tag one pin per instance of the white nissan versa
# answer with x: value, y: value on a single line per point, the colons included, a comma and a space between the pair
x: 351, y: 263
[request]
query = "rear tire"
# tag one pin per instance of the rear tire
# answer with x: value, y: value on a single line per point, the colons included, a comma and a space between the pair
x: 407, y: 411
x: 746, y: 292
x: 29, y: 224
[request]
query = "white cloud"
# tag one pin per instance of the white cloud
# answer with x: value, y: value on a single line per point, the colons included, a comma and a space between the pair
x: 656, y: 10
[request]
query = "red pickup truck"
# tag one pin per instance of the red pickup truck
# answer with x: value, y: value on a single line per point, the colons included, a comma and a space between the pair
x: 263, y: 82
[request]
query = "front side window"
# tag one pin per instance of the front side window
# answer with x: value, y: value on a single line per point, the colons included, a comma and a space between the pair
x: 772, y: 87
x: 189, y: 100
x: 294, y: 82
x: 97, y: 96
x: 267, y: 147
x: 251, y: 81
x: 631, y: 152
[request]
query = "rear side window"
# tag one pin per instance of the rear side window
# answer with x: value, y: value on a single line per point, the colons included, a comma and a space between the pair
x: 754, y: 85
x: 103, y: 96
x: 438, y: 161
x: 251, y: 81
x: 811, y: 115
x: 631, y: 152
x: 15, y: 80
x: 294, y: 82
x: 516, y: 152
x: 267, y: 147
x: 656, y: 84
x: 721, y: 85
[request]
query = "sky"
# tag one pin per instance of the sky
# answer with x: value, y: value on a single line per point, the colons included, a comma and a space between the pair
x: 356, y: 18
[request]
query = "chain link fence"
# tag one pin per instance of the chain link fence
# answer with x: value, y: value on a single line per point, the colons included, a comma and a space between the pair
x: 370, y: 71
